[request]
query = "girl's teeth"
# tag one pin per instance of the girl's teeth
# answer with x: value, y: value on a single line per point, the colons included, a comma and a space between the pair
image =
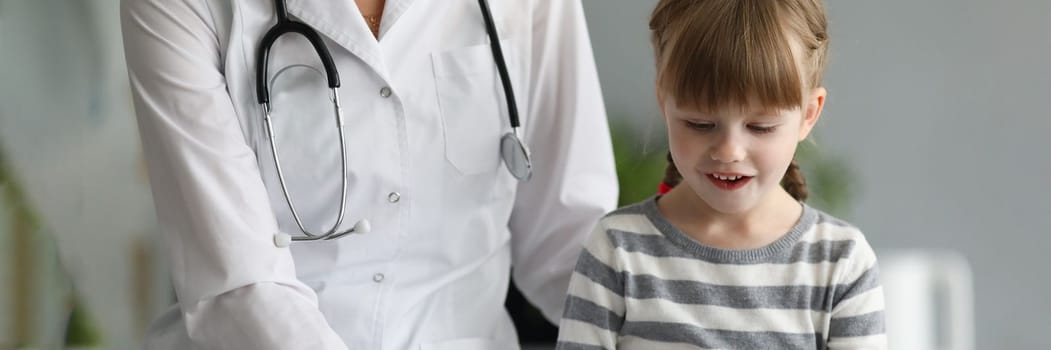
x: 727, y: 178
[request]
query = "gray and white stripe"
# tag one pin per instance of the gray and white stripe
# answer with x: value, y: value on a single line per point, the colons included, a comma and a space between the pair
x: 641, y: 283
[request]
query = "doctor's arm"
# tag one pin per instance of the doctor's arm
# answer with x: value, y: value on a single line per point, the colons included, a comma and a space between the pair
x: 574, y: 180
x: 235, y: 289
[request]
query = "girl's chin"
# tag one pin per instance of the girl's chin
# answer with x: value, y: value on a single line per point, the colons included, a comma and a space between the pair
x: 728, y: 204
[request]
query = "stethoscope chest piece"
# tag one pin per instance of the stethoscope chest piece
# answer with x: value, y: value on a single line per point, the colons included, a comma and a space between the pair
x: 516, y: 156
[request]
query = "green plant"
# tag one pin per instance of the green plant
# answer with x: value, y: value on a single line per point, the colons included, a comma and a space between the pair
x: 830, y: 179
x: 640, y: 168
x: 80, y: 330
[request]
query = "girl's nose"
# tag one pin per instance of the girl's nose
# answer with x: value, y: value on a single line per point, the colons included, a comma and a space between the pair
x: 728, y: 149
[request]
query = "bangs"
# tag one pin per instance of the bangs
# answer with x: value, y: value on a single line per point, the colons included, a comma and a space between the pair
x: 729, y: 54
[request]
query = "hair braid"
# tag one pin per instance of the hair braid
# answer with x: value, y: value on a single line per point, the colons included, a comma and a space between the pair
x: 671, y: 174
x: 794, y: 182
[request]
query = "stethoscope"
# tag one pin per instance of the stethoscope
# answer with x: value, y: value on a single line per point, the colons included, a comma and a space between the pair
x: 513, y: 152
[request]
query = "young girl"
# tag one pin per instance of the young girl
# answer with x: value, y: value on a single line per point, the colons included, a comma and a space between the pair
x: 730, y: 257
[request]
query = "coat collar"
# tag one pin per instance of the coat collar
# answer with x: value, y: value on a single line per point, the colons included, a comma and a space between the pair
x: 341, y: 21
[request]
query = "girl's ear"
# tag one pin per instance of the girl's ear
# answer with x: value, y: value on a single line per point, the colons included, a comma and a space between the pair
x: 812, y: 112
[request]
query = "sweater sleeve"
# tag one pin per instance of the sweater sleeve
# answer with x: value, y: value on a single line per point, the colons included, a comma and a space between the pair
x: 594, y: 309
x: 857, y: 311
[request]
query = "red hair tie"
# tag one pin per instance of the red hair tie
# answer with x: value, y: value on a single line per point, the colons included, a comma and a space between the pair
x: 663, y: 188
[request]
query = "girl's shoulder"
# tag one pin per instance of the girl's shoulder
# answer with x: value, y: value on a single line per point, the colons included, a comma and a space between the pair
x: 828, y: 227
x: 624, y: 225
x: 839, y: 238
x: 635, y: 217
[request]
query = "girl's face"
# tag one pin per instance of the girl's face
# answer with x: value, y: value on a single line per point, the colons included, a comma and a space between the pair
x: 734, y: 158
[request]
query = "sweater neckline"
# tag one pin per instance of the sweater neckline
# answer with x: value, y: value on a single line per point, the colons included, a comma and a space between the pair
x: 806, y: 221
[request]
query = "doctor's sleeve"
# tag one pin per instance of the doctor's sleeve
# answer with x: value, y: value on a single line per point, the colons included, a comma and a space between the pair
x: 574, y: 180
x: 235, y: 289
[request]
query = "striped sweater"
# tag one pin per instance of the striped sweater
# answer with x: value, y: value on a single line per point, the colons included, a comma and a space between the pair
x: 640, y: 283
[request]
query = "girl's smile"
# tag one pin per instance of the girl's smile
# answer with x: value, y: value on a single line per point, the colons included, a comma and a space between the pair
x: 728, y: 182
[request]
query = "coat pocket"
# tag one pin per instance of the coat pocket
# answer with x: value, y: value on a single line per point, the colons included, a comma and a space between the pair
x: 472, y: 106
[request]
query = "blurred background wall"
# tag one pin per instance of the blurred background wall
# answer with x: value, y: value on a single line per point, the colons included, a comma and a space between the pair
x: 936, y: 120
x: 70, y: 148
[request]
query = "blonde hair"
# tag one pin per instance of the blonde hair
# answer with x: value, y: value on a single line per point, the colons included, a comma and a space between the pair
x: 713, y: 54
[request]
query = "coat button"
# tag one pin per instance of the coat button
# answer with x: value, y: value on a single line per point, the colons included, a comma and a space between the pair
x: 377, y: 278
x: 394, y: 197
x: 385, y: 92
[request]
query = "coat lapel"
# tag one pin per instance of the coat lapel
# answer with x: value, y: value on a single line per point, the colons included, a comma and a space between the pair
x: 342, y: 23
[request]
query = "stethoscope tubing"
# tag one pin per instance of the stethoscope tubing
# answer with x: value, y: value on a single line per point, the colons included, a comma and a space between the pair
x: 286, y: 25
x: 501, y: 65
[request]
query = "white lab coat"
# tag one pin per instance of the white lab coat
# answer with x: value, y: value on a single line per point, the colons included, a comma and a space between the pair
x: 448, y: 221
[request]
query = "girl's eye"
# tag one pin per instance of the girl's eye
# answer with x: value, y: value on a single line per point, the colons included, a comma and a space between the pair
x: 760, y: 129
x: 702, y: 126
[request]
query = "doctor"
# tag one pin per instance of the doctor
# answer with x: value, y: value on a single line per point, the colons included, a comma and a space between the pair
x: 440, y: 220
